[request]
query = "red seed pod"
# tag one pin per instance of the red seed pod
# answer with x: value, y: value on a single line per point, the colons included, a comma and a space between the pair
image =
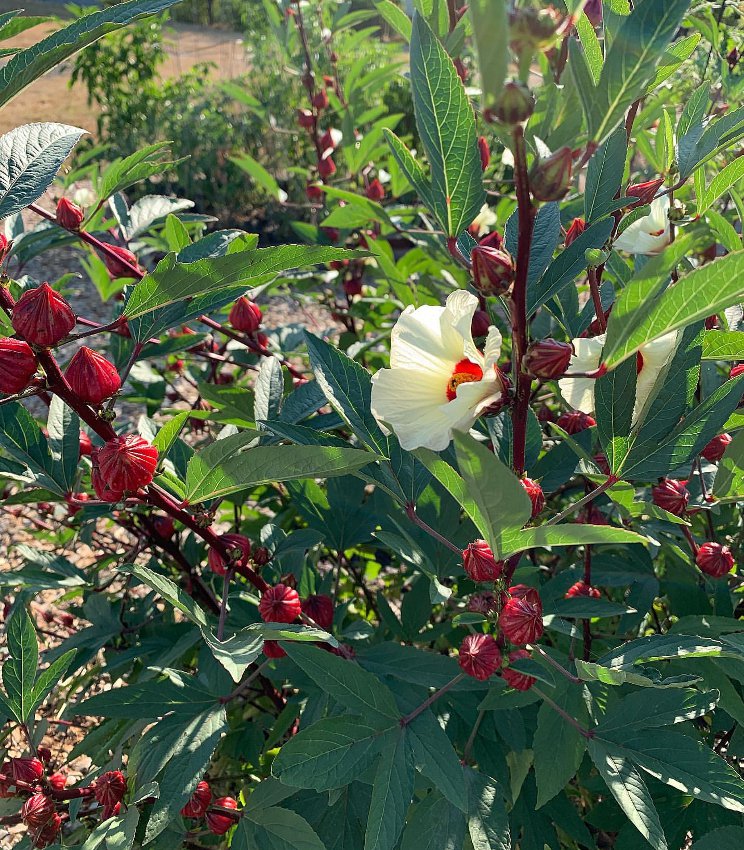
x: 17, y: 365
x: 115, y: 267
x: 26, y: 770
x: 578, y: 226
x: 581, y: 588
x: 479, y: 562
x: 58, y: 781
x: 715, y: 560
x: 240, y: 547
x: 245, y: 315
x: 484, y: 151
x: 326, y: 167
x: 550, y: 178
x: 279, y: 604
x: 314, y: 193
x: 272, y: 649
x: 535, y: 492
x: 320, y: 99
x: 199, y: 802
x: 480, y: 324
x: 126, y: 463
x: 716, y: 447
x: 515, y: 679
x: 37, y: 810
x: 69, y: 215
x: 319, y: 608
x: 110, y: 788
x: 92, y: 378
x: 575, y: 422
x: 375, y: 191
x: 482, y: 603
x: 305, y: 118
x: 671, y: 495
x: 479, y: 656
x: 493, y: 267
x: 645, y: 192
x: 548, y: 358
x: 42, y: 316
x: 261, y: 556
x: 48, y: 833
x: 521, y: 618
x: 216, y: 821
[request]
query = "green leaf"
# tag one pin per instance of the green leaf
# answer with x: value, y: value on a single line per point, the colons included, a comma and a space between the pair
x: 149, y: 700
x: 591, y: 45
x: 195, y: 748
x: 614, y: 398
x: 50, y: 678
x: 491, y: 31
x: 260, y: 176
x: 116, y: 833
x: 631, y: 61
x: 22, y: 439
x: 274, y: 828
x: 641, y: 710
x: 19, y: 670
x: 604, y: 175
x: 728, y: 484
x: 225, y: 467
x: 488, y: 824
x: 455, y: 485
x: 664, y: 647
x: 724, y: 180
x: 673, y: 58
x: 169, y: 591
x: 141, y: 165
x: 30, y: 64
x: 434, y: 825
x: 498, y: 493
x: 329, y: 754
x: 630, y: 791
x: 725, y: 838
x: 579, y: 607
x: 565, y: 534
x: 63, y: 430
x: 166, y: 437
x: 392, y: 792
x: 395, y: 16
x: 446, y: 124
x: 411, y: 167
x: 436, y: 758
x: 347, y: 684
x: 723, y: 345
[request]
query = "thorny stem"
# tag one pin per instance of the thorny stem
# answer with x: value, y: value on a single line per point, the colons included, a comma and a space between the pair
x: 415, y: 518
x: 409, y: 718
x: 585, y: 733
x: 523, y: 382
x: 574, y: 506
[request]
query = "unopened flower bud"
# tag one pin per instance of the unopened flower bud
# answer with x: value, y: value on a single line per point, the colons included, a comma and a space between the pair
x: 26, y: 770
x: 305, y: 118
x: 319, y: 608
x: 375, y: 191
x: 479, y: 562
x: 515, y: 679
x: 36, y: 811
x: 17, y: 365
x: 645, y: 192
x: 535, y: 29
x: 714, y: 559
x: 330, y: 139
x: 69, y: 215
x: 575, y: 422
x: 164, y: 527
x: 479, y: 656
x: 520, y: 620
x: 123, y: 264
x: 198, y: 802
x: 261, y: 556
x: 493, y: 267
x: 326, y: 167
x: 314, y: 193
x: 578, y: 226
x: 716, y: 447
x: 480, y: 324
x: 42, y: 316
x: 48, y: 833
x: 535, y: 492
x: 240, y: 550
x: 320, y: 99
x: 482, y: 603
x: 272, y: 649
x: 550, y: 178
x: 671, y: 495
x: 353, y: 286
x: 594, y: 257
x: 514, y: 105
x: 245, y: 315
x: 484, y: 151
x: 125, y: 463
x: 548, y: 358
x: 217, y: 822
x: 92, y: 377
x: 279, y: 604
x: 582, y: 589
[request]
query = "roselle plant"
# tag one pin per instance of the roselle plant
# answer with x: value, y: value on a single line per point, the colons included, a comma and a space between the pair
x: 447, y: 572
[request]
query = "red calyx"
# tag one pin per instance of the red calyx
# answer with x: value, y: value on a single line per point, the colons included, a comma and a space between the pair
x: 645, y: 192
x: 375, y: 191
x: 736, y: 370
x: 305, y: 118
x: 17, y: 365
x: 482, y: 603
x: 484, y: 151
x: 36, y: 811
x: 124, y: 464
x: 326, y: 167
x: 319, y: 608
x: 29, y: 771
x: 479, y: 656
x: 86, y: 444
x: 217, y: 822
x: 548, y: 358
x: 110, y: 788
x: 164, y: 526
x: 261, y: 556
x: 714, y: 559
x: 245, y: 315
x: 58, y: 781
x: 493, y: 268
x: 521, y: 617
x: 578, y: 226
x: 716, y: 447
x: 328, y: 140
x: 199, y: 802
x: 279, y: 604
x: 69, y: 215
x: 115, y: 267
x: 581, y: 588
x: 272, y: 649
x: 480, y: 324
x: 240, y: 547
x: 92, y: 378
x: 550, y: 178
x: 353, y: 286
x: 42, y: 316
x: 479, y: 562
x: 671, y: 495
x: 575, y: 422
x: 535, y: 492
x: 314, y: 193
x: 515, y: 679
x: 320, y: 99
x: 48, y: 833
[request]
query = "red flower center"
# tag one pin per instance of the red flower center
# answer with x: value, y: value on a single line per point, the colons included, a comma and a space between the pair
x: 465, y: 372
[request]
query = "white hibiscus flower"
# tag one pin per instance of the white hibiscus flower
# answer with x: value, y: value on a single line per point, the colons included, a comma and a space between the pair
x: 650, y: 234
x: 652, y: 359
x: 438, y: 381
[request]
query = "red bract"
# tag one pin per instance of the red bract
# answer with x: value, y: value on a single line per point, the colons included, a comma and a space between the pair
x: 581, y: 588
x: 216, y: 821
x: 479, y: 563
x: 42, y: 316
x: 37, y: 810
x: 69, y: 215
x: 479, y: 656
x: 110, y: 788
x: 279, y: 604
x: 92, y: 377
x: 671, y: 495
x: 535, y: 492
x: 115, y: 267
x: 375, y: 191
x: 305, y: 118
x: 26, y: 770
x: 548, y: 358
x: 48, y: 833
x: 199, y: 802
x: 575, y: 422
x: 550, y: 178
x: 353, y: 286
x: 521, y: 618
x: 645, y: 192
x: 578, y: 226
x: 319, y: 608
x: 716, y: 447
x: 241, y: 547
x: 245, y: 315
x: 17, y: 365
x: 515, y: 679
x: 493, y: 267
x: 714, y: 559
x: 125, y: 463
x: 484, y: 151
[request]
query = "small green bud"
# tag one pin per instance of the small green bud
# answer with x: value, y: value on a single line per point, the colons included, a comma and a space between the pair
x: 595, y: 256
x: 514, y: 105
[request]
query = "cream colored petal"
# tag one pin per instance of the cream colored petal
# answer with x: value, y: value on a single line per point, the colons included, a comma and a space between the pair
x: 643, y: 237
x: 457, y: 320
x: 579, y: 392
x: 417, y: 342
x: 656, y: 359
x: 492, y: 350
